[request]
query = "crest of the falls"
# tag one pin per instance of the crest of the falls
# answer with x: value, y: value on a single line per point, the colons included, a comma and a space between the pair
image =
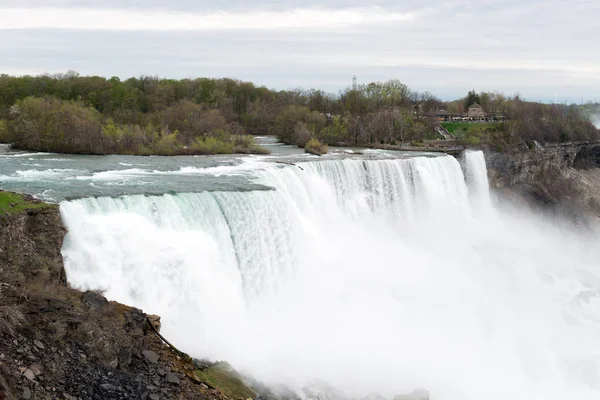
x: 370, y: 275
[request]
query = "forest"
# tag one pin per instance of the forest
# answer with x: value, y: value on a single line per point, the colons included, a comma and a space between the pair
x: 70, y: 113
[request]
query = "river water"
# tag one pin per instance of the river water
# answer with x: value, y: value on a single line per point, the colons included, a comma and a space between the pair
x: 366, y: 272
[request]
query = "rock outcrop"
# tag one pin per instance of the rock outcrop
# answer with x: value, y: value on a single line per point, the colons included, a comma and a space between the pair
x: 562, y: 179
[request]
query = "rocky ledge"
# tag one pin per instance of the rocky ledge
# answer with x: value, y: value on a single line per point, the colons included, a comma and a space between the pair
x: 562, y: 180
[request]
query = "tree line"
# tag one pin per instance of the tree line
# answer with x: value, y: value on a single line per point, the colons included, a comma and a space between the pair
x: 150, y: 115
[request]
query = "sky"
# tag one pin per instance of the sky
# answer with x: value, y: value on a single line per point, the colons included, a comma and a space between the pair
x: 542, y: 49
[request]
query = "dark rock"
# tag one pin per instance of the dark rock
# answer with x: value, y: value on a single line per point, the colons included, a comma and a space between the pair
x: 154, y: 397
x: 29, y: 375
x: 37, y: 369
x: 587, y: 158
x: 69, y: 397
x: 150, y: 356
x: 155, y: 321
x: 172, y: 378
x: 39, y: 344
x: 93, y: 299
x: 124, y: 356
x: 161, y: 372
x: 26, y: 394
x: 106, y: 386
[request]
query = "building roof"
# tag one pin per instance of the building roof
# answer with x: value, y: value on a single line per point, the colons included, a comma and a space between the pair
x: 475, y: 105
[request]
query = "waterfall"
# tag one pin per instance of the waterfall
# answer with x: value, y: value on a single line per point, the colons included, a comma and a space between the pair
x: 476, y: 176
x: 370, y: 275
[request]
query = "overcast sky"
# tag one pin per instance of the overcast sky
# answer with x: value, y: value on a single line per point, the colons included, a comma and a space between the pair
x: 540, y: 48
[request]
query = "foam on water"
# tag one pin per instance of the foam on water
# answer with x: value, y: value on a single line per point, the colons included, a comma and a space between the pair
x: 370, y: 275
x: 34, y: 174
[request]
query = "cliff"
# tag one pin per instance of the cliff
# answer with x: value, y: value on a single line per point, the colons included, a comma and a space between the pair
x: 562, y: 179
x: 57, y: 342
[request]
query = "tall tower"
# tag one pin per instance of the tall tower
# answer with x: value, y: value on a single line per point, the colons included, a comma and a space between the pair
x: 354, y: 83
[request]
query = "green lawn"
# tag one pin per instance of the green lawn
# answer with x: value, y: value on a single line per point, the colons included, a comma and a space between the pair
x: 461, y: 129
x: 12, y: 203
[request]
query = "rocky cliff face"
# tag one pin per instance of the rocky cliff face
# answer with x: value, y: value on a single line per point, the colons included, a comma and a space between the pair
x: 57, y: 342
x: 30, y: 243
x: 561, y: 179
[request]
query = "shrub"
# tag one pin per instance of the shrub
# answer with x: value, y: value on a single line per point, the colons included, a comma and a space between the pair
x: 168, y: 145
x: 302, y: 134
x: 245, y: 144
x: 211, y: 145
x: 4, y: 136
x: 315, y: 147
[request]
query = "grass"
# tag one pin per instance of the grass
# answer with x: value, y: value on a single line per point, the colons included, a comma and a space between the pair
x: 460, y: 129
x: 223, y: 377
x: 13, y: 203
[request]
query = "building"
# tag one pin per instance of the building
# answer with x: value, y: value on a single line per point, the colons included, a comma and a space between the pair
x: 443, y: 115
x: 476, y: 112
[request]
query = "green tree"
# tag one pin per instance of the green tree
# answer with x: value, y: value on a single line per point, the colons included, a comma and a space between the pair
x: 4, y: 136
x: 472, y: 98
x: 335, y: 132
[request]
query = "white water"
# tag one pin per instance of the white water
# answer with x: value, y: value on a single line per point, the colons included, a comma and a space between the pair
x: 476, y: 177
x: 368, y: 275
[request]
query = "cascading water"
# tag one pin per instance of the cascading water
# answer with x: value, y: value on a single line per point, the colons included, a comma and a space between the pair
x: 476, y: 177
x: 368, y: 275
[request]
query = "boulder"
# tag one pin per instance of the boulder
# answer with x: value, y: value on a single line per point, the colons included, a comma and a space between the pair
x: 155, y: 321
x: 94, y: 299
x: 29, y: 375
x: 172, y: 378
x: 37, y: 369
x: 150, y: 356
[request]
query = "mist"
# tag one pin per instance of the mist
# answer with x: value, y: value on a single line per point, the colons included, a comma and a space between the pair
x: 364, y: 276
x: 596, y: 120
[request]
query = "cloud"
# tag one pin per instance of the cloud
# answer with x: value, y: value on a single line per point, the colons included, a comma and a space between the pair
x: 536, y: 47
x: 156, y: 20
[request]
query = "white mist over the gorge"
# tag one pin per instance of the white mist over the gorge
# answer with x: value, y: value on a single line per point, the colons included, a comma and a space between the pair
x: 369, y: 275
x: 596, y: 120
